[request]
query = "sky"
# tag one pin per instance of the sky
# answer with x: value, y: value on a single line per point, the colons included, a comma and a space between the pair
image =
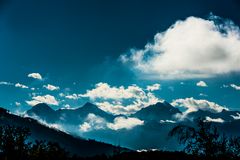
x: 121, y: 55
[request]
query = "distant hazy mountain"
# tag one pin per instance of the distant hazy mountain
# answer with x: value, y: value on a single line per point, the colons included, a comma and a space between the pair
x: 75, y: 145
x: 157, y: 112
x: 68, y: 116
x: 225, y: 115
x: 77, y: 116
x: 44, y: 112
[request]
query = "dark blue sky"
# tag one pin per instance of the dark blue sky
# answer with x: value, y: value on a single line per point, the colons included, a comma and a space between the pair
x: 81, y: 41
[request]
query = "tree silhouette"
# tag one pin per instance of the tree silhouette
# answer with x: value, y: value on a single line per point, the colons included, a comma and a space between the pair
x: 13, y: 141
x: 206, y: 141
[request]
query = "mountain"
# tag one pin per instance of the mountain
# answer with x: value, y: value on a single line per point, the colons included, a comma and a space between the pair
x: 158, y: 119
x: 78, y: 116
x: 44, y: 112
x: 67, y: 116
x: 74, y: 145
x: 157, y: 112
x: 225, y: 115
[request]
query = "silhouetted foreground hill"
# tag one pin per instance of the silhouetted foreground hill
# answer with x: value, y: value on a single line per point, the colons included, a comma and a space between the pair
x: 72, y: 144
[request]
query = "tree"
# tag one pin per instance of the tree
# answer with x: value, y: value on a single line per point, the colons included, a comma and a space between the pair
x: 205, y: 141
x: 13, y: 141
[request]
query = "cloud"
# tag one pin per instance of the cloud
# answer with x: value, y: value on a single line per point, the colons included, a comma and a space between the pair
x: 85, y: 127
x: 124, y: 123
x: 105, y: 91
x: 73, y: 96
x: 17, y: 104
x: 120, y: 100
x: 201, y: 84
x: 153, y: 87
x: 193, y: 105
x: 6, y: 83
x: 48, y: 99
x: 35, y: 76
x: 235, y: 86
x: 18, y: 85
x: 203, y: 95
x: 237, y: 117
x: 167, y: 121
x: 51, y: 87
x: 93, y: 122
x: 216, y: 120
x: 190, y: 48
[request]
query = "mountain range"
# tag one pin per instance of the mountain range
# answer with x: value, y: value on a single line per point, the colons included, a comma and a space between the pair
x: 158, y: 120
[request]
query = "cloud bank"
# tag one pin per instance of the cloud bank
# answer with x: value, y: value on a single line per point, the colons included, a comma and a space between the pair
x: 121, y: 100
x: 190, y: 48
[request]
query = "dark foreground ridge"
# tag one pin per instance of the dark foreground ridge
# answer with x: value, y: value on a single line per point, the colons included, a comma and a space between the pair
x: 40, y: 132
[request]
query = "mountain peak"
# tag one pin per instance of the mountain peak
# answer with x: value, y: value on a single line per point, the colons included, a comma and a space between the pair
x: 42, y: 110
x: 42, y: 106
x: 157, y: 112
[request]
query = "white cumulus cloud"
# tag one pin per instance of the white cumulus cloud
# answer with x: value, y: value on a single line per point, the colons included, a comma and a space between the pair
x: 113, y: 99
x: 190, y: 48
x: 35, y: 76
x: 48, y: 99
x: 201, y: 84
x: 51, y: 87
x: 193, y: 105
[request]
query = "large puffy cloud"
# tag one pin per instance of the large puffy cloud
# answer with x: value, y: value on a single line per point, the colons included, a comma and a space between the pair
x: 51, y: 87
x: 120, y: 100
x: 35, y: 76
x: 124, y: 123
x: 193, y: 105
x: 105, y: 91
x: 48, y: 99
x: 190, y: 48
